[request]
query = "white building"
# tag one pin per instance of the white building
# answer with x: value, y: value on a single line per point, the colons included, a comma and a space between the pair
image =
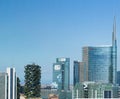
x: 8, y: 84
x: 12, y: 83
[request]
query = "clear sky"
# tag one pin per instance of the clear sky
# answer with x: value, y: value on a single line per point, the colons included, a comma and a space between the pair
x: 41, y: 30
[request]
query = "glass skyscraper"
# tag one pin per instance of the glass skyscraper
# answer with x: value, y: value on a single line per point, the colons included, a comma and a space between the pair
x: 98, y: 62
x: 61, y: 73
x: 101, y: 61
x: 78, y: 72
x: 114, y: 55
x: 118, y: 78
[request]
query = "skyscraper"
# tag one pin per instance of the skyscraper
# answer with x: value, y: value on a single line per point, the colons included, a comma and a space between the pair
x: 78, y: 72
x: 3, y: 86
x: 114, y: 55
x: 98, y: 62
x: 12, y: 85
x: 118, y: 78
x: 32, y: 87
x: 61, y: 73
x: 101, y: 61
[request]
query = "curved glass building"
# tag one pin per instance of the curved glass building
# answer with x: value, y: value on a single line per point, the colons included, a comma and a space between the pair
x: 101, y: 61
x: 98, y: 63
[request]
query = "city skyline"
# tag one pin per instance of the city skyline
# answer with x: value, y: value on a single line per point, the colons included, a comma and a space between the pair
x: 40, y: 31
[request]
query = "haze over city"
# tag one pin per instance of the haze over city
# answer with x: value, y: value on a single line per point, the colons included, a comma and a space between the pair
x: 39, y: 31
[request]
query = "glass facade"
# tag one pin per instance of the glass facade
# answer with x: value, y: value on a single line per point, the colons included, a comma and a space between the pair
x: 61, y: 73
x: 114, y: 61
x: 79, y: 72
x: 101, y: 61
x: 114, y: 54
x: 107, y: 94
x: 65, y: 95
x: 118, y: 78
x: 76, y: 72
x: 95, y: 90
x: 98, y: 62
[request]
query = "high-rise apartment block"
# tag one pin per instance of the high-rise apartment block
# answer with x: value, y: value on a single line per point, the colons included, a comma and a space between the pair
x: 32, y: 81
x: 61, y: 73
x: 12, y: 83
x: 3, y: 86
x: 8, y: 84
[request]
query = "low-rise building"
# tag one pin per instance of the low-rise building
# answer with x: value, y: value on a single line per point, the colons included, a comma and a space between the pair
x: 95, y: 90
x: 53, y: 96
x: 45, y: 92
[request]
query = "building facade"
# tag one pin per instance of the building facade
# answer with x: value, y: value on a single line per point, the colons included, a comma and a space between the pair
x: 76, y: 72
x: 97, y: 61
x: 95, y: 90
x: 3, y: 86
x: 32, y: 87
x: 61, y: 77
x: 53, y: 96
x: 118, y: 78
x: 79, y: 71
x: 100, y: 62
x: 12, y: 83
x: 61, y: 73
x: 8, y: 84
x: 45, y: 92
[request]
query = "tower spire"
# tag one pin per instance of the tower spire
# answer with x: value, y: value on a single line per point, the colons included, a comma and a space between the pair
x: 114, y: 53
x: 114, y: 31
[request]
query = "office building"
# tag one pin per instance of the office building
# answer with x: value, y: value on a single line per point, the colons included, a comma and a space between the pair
x: 3, y: 86
x: 101, y: 61
x: 118, y: 78
x: 114, y: 55
x: 98, y: 62
x: 61, y: 77
x: 61, y: 73
x: 12, y: 83
x: 78, y: 72
x: 95, y: 90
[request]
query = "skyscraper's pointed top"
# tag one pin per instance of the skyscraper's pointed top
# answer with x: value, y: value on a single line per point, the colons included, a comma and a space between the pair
x: 114, y: 28
x: 114, y: 31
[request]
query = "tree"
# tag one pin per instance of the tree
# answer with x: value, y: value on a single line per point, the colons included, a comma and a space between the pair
x: 32, y: 81
x: 18, y: 88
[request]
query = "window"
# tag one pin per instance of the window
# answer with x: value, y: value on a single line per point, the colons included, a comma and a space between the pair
x: 107, y: 94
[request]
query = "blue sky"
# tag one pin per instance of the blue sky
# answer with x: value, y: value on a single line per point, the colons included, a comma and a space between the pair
x: 41, y: 30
